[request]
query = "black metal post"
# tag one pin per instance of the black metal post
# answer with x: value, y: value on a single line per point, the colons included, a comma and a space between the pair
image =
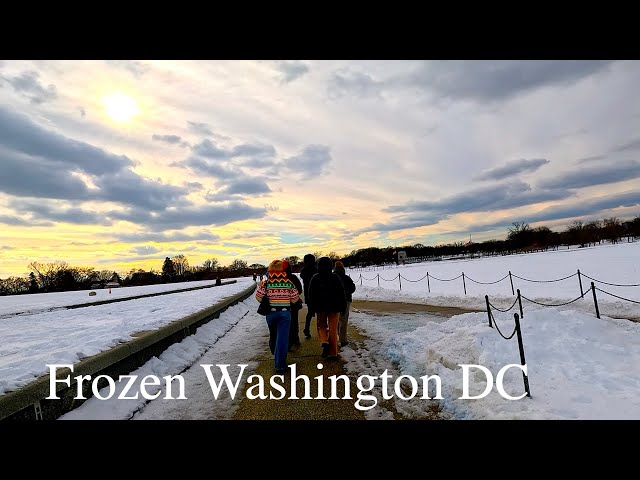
x: 520, y: 303
x: 522, y: 360
x: 595, y: 299
x: 580, y: 282
x: 378, y: 280
x: 428, y: 284
x: 464, y: 284
x: 486, y: 298
x: 511, y: 279
x: 400, y: 280
x: 360, y: 279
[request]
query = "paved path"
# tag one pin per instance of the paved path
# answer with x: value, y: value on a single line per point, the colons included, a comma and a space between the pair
x: 307, y: 357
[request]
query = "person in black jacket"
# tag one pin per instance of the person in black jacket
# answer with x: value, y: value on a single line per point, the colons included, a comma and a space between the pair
x: 349, y: 288
x: 308, y: 271
x: 327, y: 299
x: 294, y: 337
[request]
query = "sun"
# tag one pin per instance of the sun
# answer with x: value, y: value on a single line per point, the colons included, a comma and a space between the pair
x: 120, y: 107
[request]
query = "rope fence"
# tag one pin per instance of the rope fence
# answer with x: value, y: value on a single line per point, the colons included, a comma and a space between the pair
x: 519, y: 297
x: 518, y: 300
x: 516, y: 331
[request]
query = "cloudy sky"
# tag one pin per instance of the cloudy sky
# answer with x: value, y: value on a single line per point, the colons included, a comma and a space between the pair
x: 118, y: 164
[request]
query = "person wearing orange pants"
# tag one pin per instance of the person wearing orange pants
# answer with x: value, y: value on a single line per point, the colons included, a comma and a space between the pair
x: 328, y: 299
x: 328, y: 332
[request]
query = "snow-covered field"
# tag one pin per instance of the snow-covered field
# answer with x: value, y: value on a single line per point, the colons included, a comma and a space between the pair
x: 619, y: 264
x: 232, y: 338
x: 29, y: 342
x: 37, y: 302
x: 579, y: 366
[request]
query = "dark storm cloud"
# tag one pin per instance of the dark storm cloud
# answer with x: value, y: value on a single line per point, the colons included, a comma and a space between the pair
x: 247, y: 186
x: 486, y: 198
x: 598, y: 175
x: 179, y: 218
x: 136, y: 68
x: 200, y: 128
x: 511, y: 169
x: 29, y: 86
x: 241, y: 187
x: 313, y: 161
x: 495, y: 197
x: 217, y: 215
x: 258, y: 163
x: 587, y: 207
x: 16, y: 221
x: 402, y: 224
x: 193, y: 186
x: 632, y: 145
x: 160, y: 237
x: 171, y: 139
x: 500, y: 79
x: 25, y: 176
x: 19, y: 133
x: 145, y: 250
x: 135, y: 215
x: 207, y: 167
x: 127, y: 187
x: 593, y: 158
x: 292, y: 70
x: 349, y: 82
x: 47, y: 212
x: 253, y: 150
x: 208, y: 149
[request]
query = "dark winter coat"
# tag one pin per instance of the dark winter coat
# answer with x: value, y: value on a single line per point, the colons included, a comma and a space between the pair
x: 307, y: 272
x: 296, y: 282
x: 326, y: 292
x: 347, y: 282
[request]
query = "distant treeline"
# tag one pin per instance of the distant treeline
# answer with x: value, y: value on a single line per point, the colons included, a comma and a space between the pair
x: 521, y: 238
x: 59, y: 276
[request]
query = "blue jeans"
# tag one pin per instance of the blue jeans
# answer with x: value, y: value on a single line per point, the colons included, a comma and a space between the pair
x: 279, y: 323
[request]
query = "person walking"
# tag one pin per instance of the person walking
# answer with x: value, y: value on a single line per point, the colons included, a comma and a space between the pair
x: 349, y: 288
x: 327, y: 298
x: 281, y: 294
x: 294, y: 336
x: 308, y: 271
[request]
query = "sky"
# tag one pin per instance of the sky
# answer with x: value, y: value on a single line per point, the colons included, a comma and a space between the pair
x: 119, y: 164
x: 579, y: 366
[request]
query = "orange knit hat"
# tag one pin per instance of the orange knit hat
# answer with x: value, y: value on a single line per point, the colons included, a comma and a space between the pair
x: 276, y: 266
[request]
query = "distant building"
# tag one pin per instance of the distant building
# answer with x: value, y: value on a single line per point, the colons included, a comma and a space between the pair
x: 111, y: 285
x: 402, y: 256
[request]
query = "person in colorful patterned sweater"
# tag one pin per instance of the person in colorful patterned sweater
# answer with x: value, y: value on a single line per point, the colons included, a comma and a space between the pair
x: 281, y: 293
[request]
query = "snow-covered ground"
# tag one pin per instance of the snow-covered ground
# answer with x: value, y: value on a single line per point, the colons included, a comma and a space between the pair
x: 237, y: 336
x: 579, y: 366
x: 619, y: 264
x: 30, y: 342
x: 37, y: 302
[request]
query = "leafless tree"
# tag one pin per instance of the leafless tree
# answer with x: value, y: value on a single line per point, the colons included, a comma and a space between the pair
x: 180, y: 264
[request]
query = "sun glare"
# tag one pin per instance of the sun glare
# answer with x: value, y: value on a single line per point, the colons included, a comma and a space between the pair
x: 120, y: 107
